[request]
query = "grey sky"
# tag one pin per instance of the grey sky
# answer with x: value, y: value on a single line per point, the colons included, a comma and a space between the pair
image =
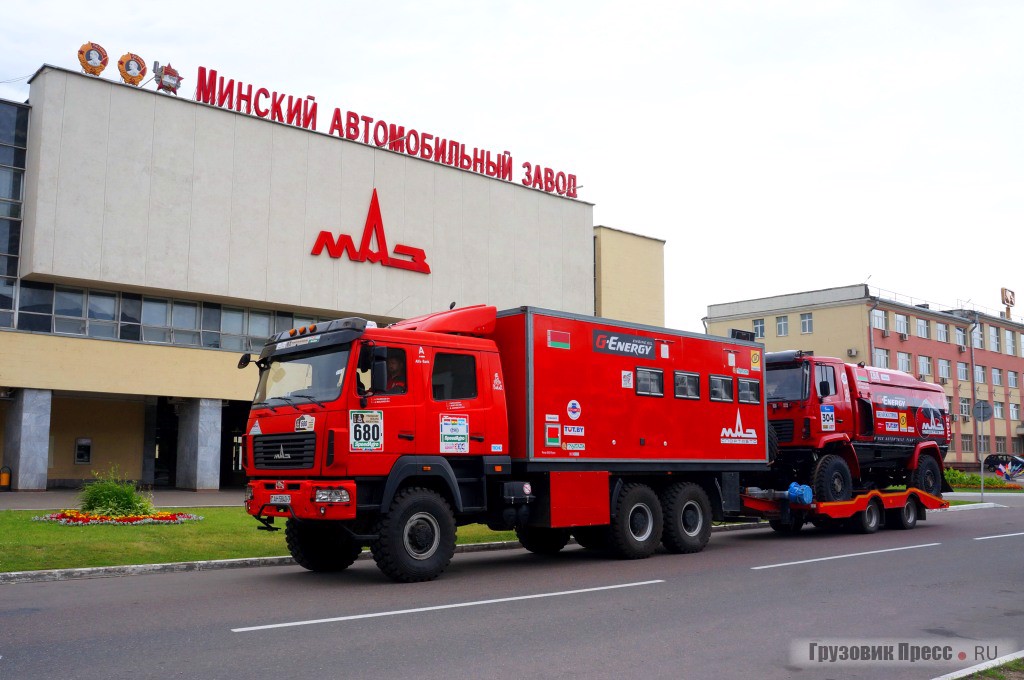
x: 776, y: 146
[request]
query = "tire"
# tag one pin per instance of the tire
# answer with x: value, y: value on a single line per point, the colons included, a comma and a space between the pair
x: 542, y: 540
x: 416, y: 538
x: 904, y: 518
x: 826, y: 524
x: 869, y: 520
x: 773, y: 444
x: 591, y: 538
x: 687, y: 518
x: 832, y: 480
x: 636, y: 529
x: 790, y: 528
x: 320, y: 545
x: 927, y: 477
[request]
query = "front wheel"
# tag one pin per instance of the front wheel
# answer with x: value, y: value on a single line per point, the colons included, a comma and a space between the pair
x: 416, y: 538
x: 542, y: 540
x: 636, y: 530
x: 832, y: 480
x: 320, y: 545
x: 927, y: 477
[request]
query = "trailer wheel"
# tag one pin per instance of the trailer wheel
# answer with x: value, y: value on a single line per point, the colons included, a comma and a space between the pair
x: 903, y: 518
x: 687, y: 518
x: 320, y: 546
x: 790, y: 528
x: 832, y: 480
x: 416, y: 538
x: 927, y: 476
x: 869, y: 520
x: 636, y: 529
x: 542, y: 540
x: 591, y: 538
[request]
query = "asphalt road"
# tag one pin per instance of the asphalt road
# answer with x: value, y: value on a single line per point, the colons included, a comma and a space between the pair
x: 733, y: 611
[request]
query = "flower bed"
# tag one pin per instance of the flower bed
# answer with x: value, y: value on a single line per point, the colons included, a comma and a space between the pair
x: 79, y: 518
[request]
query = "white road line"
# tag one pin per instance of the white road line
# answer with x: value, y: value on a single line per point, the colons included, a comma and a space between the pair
x: 839, y: 557
x: 443, y: 606
x: 985, y: 538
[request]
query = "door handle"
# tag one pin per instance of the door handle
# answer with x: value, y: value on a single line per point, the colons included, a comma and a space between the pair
x: 476, y: 437
x: 406, y: 435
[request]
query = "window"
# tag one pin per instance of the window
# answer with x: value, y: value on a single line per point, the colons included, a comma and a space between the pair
x: 922, y: 328
x: 750, y: 391
x: 983, y: 444
x: 1010, y: 337
x: 720, y: 388
x: 782, y: 326
x: 962, y: 371
x: 997, y: 376
x: 758, y: 328
x: 1011, y: 378
x: 880, y: 358
x: 1014, y: 411
x: 1018, y: 446
x: 944, y: 366
x: 961, y: 336
x: 687, y: 385
x: 1000, y: 444
x: 454, y: 377
x: 650, y: 382
x: 924, y: 365
x: 949, y: 404
x: 965, y: 406
x: 978, y: 338
x: 942, y: 332
x: 903, y: 361
x: 824, y: 374
x: 880, y: 319
x: 997, y: 409
x: 993, y: 338
x: 979, y: 373
x: 806, y: 323
x: 967, y: 443
x: 396, y: 371
x: 901, y: 323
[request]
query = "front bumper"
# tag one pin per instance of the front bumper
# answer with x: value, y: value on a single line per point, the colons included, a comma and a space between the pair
x: 266, y: 498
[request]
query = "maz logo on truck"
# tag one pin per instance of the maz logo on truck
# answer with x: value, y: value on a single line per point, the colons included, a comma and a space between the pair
x: 374, y: 229
x: 625, y: 345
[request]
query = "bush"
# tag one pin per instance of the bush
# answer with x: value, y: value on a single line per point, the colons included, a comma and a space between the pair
x: 112, y: 494
x: 970, y: 480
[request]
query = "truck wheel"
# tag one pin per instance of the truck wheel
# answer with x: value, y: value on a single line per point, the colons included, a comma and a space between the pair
x: 591, y: 538
x: 542, y: 540
x: 903, y: 518
x: 687, y: 518
x: 773, y: 444
x: 868, y: 521
x: 416, y: 538
x: 636, y: 529
x: 832, y: 480
x: 927, y: 476
x: 320, y: 546
x: 790, y: 528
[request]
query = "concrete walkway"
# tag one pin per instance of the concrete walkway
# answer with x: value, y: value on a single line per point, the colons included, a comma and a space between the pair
x: 64, y: 499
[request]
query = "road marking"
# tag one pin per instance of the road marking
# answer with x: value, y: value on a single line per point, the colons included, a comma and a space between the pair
x: 839, y: 557
x: 985, y: 538
x: 439, y: 607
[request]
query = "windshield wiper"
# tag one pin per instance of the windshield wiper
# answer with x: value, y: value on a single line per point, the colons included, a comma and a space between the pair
x: 263, y: 403
x: 312, y: 399
x: 286, y: 400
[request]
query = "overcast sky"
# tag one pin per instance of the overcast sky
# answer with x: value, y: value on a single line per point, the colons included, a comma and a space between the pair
x: 776, y: 146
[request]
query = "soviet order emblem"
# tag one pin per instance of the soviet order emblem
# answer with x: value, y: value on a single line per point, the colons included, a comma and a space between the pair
x: 93, y: 58
x: 132, y: 68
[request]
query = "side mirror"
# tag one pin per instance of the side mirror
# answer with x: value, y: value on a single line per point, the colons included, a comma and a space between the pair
x: 823, y: 388
x: 245, y: 360
x: 379, y: 377
x: 366, y: 357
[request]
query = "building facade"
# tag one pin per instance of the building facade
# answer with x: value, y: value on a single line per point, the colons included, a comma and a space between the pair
x: 147, y: 240
x: 975, y: 355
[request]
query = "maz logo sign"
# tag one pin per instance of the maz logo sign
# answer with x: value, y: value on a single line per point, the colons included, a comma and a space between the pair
x: 374, y: 230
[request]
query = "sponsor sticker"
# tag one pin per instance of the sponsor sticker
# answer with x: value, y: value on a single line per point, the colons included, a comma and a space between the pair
x: 552, y: 434
x: 738, y: 434
x: 885, y: 377
x: 887, y: 415
x: 298, y: 342
x: 755, y: 360
x: 609, y: 342
x: 305, y: 423
x: 366, y: 431
x: 903, y: 422
x: 571, y: 446
x: 496, y: 448
x: 454, y: 433
x: 892, y: 427
x: 497, y: 386
x: 828, y: 418
x: 551, y: 417
x: 741, y: 371
x: 573, y: 409
x: 627, y: 379
x: 573, y: 430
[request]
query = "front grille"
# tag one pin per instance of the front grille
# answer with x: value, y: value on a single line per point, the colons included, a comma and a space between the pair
x: 783, y: 430
x: 284, y: 451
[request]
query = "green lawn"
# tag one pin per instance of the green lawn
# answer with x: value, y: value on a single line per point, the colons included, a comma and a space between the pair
x: 224, y: 533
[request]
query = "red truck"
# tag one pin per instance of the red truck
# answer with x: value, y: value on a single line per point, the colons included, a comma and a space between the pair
x: 846, y: 427
x: 553, y: 424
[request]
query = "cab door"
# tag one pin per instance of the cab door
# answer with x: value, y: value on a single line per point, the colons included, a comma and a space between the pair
x: 459, y: 404
x: 383, y: 427
x: 834, y: 404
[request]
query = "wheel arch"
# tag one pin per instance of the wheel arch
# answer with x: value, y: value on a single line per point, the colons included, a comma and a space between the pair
x: 429, y: 472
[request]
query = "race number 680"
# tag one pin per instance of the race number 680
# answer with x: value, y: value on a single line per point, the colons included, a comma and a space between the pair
x: 365, y: 432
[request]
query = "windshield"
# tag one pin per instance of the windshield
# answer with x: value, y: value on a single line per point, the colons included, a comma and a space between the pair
x: 787, y: 383
x: 303, y: 377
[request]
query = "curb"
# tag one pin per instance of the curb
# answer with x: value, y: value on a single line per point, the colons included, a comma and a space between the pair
x: 994, y: 663
x: 46, y: 575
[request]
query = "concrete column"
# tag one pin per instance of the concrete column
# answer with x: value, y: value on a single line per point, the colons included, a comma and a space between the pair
x: 27, y: 439
x: 149, y: 443
x: 199, y: 444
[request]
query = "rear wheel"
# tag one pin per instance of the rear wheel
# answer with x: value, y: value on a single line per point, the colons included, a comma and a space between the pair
x: 869, y: 520
x: 927, y: 477
x: 687, y: 518
x: 636, y: 529
x: 416, y: 538
x: 542, y: 540
x: 903, y: 518
x: 320, y: 546
x: 832, y: 480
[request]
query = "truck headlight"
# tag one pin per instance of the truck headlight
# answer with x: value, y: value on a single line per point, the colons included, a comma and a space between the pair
x: 332, y: 496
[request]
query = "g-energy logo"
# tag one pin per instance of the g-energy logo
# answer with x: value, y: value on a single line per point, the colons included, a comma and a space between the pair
x: 624, y: 345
